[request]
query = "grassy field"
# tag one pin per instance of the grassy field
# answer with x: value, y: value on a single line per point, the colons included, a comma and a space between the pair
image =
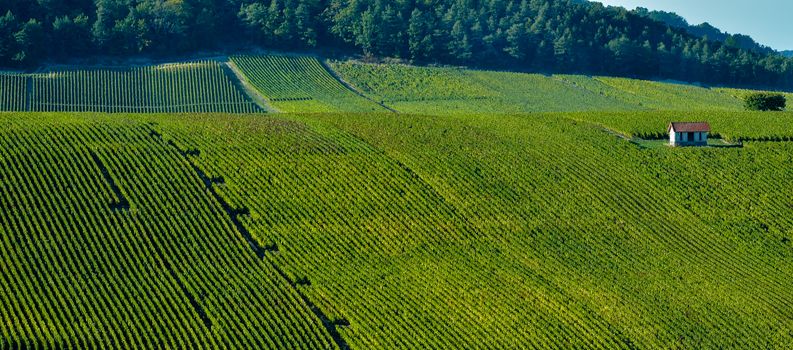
x: 306, y: 84
x: 740, y: 93
x: 197, y: 87
x: 435, y: 90
x: 672, y: 96
x: 389, y: 231
x: 300, y: 84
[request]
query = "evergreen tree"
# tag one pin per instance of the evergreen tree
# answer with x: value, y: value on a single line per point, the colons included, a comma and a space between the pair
x: 558, y: 35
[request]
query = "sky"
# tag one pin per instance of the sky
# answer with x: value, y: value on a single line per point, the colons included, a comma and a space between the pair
x: 769, y: 22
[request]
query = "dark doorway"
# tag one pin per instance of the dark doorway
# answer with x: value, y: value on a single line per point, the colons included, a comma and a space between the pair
x: 691, y: 137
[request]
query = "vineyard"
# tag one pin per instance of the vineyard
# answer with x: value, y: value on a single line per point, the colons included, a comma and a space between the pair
x: 13, y: 92
x: 300, y: 84
x: 673, y: 96
x: 195, y: 87
x: 751, y: 126
x: 390, y: 231
x: 110, y: 240
x: 741, y: 93
x: 453, y: 90
x: 305, y: 84
x: 495, y: 210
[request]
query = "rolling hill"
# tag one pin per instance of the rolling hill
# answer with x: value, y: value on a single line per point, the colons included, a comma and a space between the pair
x: 307, y: 84
x: 388, y: 231
x: 386, y: 206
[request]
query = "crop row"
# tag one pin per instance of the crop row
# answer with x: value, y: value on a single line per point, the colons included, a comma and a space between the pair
x: 379, y: 248
x: 198, y: 87
x: 405, y: 231
x: 13, y: 92
x: 300, y: 84
x: 431, y: 248
x: 684, y: 244
x: 447, y: 90
x: 79, y: 274
x: 730, y: 125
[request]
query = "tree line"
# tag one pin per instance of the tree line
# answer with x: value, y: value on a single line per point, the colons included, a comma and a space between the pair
x: 572, y: 36
x: 704, y: 30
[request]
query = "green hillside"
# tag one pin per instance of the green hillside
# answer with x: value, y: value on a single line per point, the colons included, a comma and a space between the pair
x: 300, y: 84
x: 730, y: 125
x: 201, y: 86
x: 411, y: 89
x: 740, y: 93
x: 386, y: 206
x: 435, y: 90
x: 673, y: 96
x: 391, y: 231
x: 304, y: 84
x: 110, y: 239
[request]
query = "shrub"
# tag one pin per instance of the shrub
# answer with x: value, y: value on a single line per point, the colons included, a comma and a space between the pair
x: 762, y: 101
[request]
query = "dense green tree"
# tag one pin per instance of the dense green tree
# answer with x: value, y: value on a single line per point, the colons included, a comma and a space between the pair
x: 30, y: 42
x: 68, y: 36
x: 7, y: 43
x: 548, y: 35
x: 421, y: 42
x: 762, y: 101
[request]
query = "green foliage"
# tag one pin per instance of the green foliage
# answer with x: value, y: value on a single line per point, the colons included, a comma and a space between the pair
x: 569, y: 36
x: 102, y: 277
x: 418, y: 231
x: 305, y: 84
x: 671, y: 96
x: 733, y: 125
x: 540, y: 93
x: 609, y: 225
x: 762, y: 101
x: 436, y: 90
x: 198, y: 87
x: 300, y: 84
x: 402, y: 83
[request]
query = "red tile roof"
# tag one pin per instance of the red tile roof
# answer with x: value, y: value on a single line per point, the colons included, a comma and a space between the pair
x: 690, y: 127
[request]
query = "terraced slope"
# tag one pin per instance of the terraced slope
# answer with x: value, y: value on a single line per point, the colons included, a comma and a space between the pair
x: 300, y: 84
x: 196, y: 87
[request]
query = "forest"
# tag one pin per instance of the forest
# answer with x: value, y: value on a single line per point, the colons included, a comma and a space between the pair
x: 562, y: 36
